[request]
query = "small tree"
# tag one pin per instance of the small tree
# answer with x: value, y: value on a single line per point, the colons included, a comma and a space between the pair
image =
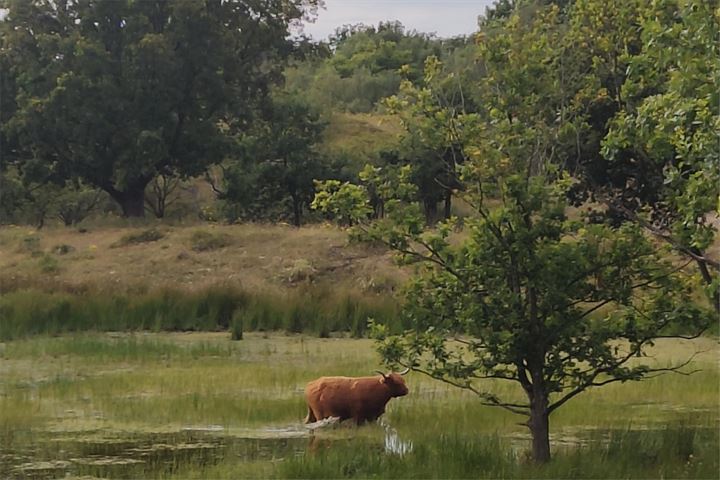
x: 277, y: 163
x: 162, y: 194
x: 530, y: 297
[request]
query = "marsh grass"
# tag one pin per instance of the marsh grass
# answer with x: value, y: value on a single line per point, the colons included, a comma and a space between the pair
x: 313, y: 310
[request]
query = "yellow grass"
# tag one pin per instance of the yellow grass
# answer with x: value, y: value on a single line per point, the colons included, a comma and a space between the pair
x: 257, y: 257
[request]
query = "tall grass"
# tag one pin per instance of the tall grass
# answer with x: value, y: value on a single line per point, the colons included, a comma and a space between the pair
x: 313, y: 310
x: 671, y: 452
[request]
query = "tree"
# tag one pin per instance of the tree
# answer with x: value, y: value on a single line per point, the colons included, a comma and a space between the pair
x: 162, y: 190
x: 525, y: 295
x: 528, y: 296
x: 118, y: 92
x: 434, y: 119
x: 278, y: 162
x: 670, y: 132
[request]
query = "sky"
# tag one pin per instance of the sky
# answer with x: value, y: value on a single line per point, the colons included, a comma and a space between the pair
x: 446, y: 18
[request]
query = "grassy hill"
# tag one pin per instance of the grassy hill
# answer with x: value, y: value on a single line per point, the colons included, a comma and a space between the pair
x: 360, y: 135
x: 255, y: 257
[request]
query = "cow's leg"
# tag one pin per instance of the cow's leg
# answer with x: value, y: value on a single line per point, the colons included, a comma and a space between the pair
x: 310, y: 416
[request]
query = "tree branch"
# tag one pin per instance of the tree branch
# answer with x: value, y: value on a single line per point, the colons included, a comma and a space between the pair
x: 488, y: 398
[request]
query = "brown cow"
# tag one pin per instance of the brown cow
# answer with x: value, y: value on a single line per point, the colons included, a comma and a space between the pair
x: 361, y: 398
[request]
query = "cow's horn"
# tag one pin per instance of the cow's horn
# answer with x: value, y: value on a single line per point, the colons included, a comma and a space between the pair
x: 381, y: 373
x: 404, y: 371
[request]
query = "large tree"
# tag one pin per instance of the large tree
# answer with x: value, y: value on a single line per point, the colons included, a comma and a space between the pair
x: 116, y: 92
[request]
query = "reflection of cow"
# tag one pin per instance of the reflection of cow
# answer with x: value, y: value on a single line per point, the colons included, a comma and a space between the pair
x: 361, y: 398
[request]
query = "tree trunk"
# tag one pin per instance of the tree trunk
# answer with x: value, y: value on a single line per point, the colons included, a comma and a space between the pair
x: 133, y: 203
x: 430, y: 211
x: 448, y: 204
x: 707, y: 277
x: 131, y: 200
x: 296, y: 210
x: 540, y: 429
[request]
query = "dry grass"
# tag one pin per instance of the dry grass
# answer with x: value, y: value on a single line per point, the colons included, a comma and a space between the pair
x: 258, y: 257
x: 360, y: 135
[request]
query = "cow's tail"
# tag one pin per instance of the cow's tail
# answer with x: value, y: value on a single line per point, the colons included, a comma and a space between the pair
x: 310, y: 416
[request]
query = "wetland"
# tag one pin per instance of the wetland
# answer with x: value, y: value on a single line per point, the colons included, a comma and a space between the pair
x: 198, y: 405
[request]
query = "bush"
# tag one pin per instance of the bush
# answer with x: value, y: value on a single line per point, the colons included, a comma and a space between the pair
x: 30, y: 244
x: 146, y: 236
x: 236, y: 331
x: 49, y: 264
x: 301, y: 270
x: 204, y: 241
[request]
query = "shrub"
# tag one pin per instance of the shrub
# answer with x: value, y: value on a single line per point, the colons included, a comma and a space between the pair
x: 236, y: 331
x: 203, y: 241
x: 30, y: 243
x: 49, y: 264
x: 301, y: 270
x: 146, y: 236
x: 63, y: 249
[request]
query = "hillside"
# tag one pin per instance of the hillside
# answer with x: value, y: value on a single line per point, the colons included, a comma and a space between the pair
x: 360, y: 135
x: 255, y: 257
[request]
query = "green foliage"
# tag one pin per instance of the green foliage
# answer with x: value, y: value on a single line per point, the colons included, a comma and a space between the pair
x: 342, y: 200
x: 364, y: 67
x: 49, y: 264
x: 36, y: 203
x: 169, y: 76
x: 671, y: 128
x: 277, y: 164
x: 435, y: 120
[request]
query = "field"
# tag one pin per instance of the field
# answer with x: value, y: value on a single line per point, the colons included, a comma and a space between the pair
x: 198, y: 405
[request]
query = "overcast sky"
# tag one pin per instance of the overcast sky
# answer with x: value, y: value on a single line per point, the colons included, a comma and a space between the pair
x: 447, y: 18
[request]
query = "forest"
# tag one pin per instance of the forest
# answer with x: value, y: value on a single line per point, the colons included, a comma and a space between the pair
x: 525, y: 218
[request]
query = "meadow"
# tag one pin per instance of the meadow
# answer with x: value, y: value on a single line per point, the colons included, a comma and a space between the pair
x: 200, y: 405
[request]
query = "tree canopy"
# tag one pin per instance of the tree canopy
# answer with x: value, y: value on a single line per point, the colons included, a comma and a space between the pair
x: 117, y: 92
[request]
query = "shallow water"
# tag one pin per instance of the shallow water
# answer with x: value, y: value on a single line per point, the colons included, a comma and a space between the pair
x: 107, y: 454
x: 132, y: 455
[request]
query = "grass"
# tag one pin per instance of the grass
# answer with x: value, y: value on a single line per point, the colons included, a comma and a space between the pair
x: 255, y: 257
x: 360, y: 136
x: 309, y: 309
x: 149, y: 396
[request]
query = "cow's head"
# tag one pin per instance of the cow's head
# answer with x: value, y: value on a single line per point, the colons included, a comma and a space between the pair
x: 395, y: 382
